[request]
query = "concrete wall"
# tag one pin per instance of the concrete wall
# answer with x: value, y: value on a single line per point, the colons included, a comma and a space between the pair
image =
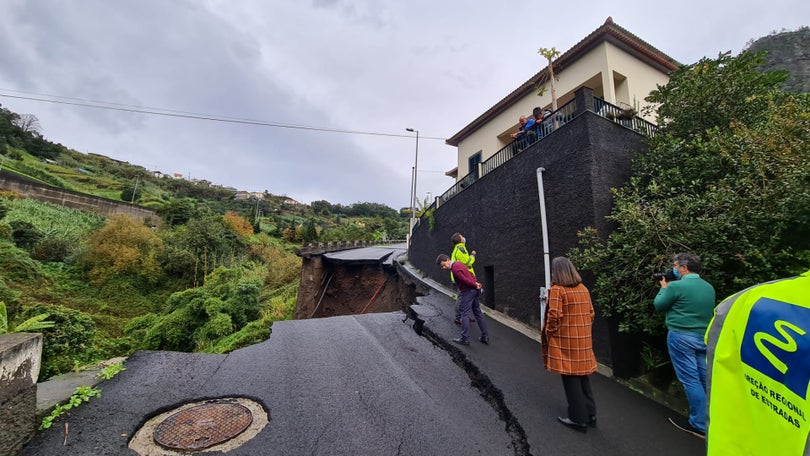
x: 20, y: 355
x: 59, y: 196
x: 500, y: 216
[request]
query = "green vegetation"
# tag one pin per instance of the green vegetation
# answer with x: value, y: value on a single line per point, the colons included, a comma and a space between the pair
x: 81, y: 395
x: 727, y: 176
x: 35, y: 323
x: 108, y: 372
x: 213, y: 277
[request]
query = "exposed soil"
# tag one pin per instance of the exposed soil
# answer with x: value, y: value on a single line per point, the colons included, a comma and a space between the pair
x: 329, y: 289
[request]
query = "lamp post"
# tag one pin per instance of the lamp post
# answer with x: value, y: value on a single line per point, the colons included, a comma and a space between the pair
x: 413, y: 185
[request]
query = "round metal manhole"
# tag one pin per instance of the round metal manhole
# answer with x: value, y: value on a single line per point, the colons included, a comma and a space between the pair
x: 202, y: 426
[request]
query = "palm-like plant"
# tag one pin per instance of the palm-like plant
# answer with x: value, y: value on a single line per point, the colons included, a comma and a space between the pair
x: 34, y: 323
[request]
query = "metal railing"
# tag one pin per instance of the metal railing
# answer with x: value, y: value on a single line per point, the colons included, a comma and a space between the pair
x: 622, y: 116
x: 537, y: 132
x: 626, y: 117
x: 326, y: 247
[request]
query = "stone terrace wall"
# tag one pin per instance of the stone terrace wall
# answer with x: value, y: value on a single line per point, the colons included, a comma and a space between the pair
x: 41, y: 192
x: 499, y: 214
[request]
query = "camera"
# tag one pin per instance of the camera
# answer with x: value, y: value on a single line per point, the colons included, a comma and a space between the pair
x: 668, y: 275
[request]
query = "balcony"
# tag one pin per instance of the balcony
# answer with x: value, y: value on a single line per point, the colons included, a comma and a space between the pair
x: 583, y: 101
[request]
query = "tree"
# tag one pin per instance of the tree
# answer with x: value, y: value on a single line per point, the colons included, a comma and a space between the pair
x: 550, y: 55
x: 309, y: 232
x: 28, y: 123
x: 131, y: 193
x: 726, y: 177
x: 124, y: 247
x: 239, y: 224
x: 178, y: 211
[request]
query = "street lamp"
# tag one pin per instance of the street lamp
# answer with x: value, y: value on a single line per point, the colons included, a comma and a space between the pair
x: 413, y: 185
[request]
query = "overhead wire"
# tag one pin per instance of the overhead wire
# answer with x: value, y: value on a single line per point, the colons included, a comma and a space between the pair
x: 188, y: 115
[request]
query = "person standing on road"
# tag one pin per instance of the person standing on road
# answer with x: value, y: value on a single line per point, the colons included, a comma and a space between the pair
x: 461, y: 255
x: 759, y: 366
x: 689, y: 306
x: 567, y: 344
x: 467, y: 300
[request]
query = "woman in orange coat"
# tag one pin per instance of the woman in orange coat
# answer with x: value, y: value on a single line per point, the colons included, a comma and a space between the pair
x: 567, y: 345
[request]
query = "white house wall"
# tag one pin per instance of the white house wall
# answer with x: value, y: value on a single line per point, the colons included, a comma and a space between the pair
x: 610, y: 72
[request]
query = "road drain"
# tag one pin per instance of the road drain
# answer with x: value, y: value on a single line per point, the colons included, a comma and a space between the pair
x: 212, y: 425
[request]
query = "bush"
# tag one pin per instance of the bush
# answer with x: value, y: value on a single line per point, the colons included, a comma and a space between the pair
x: 53, y: 249
x: 66, y: 344
x: 25, y: 235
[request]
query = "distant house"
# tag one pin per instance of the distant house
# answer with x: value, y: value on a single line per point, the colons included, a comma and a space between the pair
x: 616, y: 65
x: 242, y: 195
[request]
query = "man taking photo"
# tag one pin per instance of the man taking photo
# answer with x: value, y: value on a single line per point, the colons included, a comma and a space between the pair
x: 689, y: 306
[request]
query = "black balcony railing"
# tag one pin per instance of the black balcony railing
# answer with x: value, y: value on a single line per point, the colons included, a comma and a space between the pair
x: 537, y: 132
x: 622, y: 116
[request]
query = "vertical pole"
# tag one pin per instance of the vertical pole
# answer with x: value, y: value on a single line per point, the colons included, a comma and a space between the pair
x: 546, y: 261
x: 134, y: 190
x: 413, y: 186
x: 415, y: 175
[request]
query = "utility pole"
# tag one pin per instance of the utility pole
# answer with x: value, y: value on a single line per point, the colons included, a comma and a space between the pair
x: 132, y: 201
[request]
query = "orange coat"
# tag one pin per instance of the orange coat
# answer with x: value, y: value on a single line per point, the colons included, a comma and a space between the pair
x: 566, y: 337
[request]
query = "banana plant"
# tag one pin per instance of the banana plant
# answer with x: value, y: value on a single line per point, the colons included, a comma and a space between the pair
x: 34, y: 323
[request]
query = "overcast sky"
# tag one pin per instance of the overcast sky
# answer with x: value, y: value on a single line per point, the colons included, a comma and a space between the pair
x: 351, y: 66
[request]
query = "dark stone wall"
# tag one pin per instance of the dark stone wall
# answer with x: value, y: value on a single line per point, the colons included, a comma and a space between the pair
x: 500, y: 216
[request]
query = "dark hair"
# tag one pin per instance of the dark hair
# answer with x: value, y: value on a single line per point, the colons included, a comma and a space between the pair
x: 456, y: 238
x: 441, y: 258
x: 564, y: 273
x: 690, y: 261
x: 537, y: 111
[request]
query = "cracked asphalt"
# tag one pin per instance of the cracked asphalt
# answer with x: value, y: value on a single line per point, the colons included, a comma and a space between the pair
x: 370, y: 385
x: 352, y: 385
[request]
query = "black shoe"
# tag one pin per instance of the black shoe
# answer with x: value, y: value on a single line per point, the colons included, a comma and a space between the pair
x: 592, y: 421
x: 684, y: 425
x: 461, y: 341
x: 458, y: 321
x: 573, y: 424
x: 484, y: 339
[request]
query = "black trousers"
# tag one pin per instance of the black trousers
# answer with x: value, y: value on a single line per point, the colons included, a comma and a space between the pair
x: 581, y: 406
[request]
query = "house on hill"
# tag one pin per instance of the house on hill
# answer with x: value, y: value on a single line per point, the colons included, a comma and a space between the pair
x: 619, y: 67
x: 581, y: 153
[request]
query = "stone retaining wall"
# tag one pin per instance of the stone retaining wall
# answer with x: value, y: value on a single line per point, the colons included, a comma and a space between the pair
x: 62, y: 197
x: 20, y: 355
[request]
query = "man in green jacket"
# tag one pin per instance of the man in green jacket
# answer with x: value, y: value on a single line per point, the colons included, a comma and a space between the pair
x: 689, y: 306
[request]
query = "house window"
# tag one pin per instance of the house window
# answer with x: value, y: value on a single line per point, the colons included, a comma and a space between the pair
x: 472, y: 163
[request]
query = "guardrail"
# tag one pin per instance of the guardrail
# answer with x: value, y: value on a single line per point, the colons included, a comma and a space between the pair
x: 317, y: 248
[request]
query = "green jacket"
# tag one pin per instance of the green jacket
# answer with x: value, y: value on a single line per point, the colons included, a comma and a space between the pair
x: 689, y: 304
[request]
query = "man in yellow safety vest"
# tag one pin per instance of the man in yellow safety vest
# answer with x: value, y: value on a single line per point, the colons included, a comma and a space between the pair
x: 758, y: 349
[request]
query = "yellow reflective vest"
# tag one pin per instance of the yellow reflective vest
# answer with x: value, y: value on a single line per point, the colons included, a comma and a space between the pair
x: 758, y: 348
x: 461, y: 255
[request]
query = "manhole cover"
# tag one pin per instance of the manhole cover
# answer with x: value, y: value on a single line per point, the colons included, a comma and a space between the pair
x: 202, y: 426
